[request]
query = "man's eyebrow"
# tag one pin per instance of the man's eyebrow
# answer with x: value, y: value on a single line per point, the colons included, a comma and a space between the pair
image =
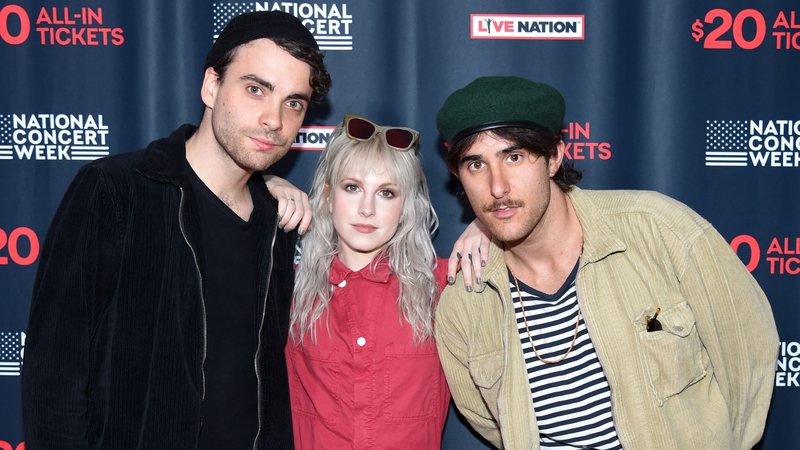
x: 298, y: 97
x: 256, y: 79
x: 271, y: 87
x: 469, y: 158
x: 510, y: 149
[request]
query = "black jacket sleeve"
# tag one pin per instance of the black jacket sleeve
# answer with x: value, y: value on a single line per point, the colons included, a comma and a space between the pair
x: 74, y: 282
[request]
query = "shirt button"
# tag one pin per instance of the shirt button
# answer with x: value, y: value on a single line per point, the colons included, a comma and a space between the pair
x: 342, y: 284
x: 361, y: 341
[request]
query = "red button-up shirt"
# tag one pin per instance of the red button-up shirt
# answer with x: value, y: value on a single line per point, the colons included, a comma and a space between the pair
x: 365, y: 384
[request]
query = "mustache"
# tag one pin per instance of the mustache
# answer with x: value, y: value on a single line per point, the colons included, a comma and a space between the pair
x: 272, y: 136
x: 505, y: 203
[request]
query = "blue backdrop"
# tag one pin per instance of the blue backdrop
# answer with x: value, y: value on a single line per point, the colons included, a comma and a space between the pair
x: 695, y: 99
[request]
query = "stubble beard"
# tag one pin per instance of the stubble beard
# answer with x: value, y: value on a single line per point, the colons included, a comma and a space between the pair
x: 234, y: 144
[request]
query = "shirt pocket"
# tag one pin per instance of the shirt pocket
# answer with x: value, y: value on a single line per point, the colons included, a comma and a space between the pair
x: 673, y: 356
x: 486, y: 371
x: 413, y: 381
x: 315, y: 383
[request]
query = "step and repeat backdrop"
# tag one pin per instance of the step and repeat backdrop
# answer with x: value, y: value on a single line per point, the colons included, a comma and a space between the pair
x: 696, y: 99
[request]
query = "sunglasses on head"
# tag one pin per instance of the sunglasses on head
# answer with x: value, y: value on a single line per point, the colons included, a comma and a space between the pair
x: 361, y: 129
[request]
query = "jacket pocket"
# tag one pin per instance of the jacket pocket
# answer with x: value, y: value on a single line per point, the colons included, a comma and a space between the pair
x: 315, y: 383
x: 413, y: 381
x: 673, y: 356
x: 486, y: 371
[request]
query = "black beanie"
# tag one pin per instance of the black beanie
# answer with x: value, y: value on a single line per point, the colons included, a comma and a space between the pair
x: 256, y: 25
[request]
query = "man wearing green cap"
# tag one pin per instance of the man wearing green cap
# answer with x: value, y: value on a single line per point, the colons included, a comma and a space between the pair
x: 605, y: 319
x: 161, y: 306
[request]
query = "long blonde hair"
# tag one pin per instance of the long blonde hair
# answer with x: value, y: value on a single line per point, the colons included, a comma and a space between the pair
x: 410, y: 253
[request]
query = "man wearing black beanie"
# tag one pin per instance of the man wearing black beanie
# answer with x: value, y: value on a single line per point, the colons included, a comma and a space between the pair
x: 160, y: 309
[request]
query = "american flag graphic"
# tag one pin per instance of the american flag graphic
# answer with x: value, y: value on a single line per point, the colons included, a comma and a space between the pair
x: 6, y: 150
x: 11, y: 345
x: 726, y: 143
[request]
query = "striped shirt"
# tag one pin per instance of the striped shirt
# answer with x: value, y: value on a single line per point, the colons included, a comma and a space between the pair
x: 571, y: 398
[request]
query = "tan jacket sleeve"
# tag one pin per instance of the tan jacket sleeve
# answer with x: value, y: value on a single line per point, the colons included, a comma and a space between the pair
x: 737, y: 329
x: 453, y: 354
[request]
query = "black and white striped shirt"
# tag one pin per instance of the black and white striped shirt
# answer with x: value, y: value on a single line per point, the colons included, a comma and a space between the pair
x: 572, y: 399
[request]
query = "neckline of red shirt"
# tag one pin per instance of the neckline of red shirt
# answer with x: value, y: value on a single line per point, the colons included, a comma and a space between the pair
x: 381, y: 273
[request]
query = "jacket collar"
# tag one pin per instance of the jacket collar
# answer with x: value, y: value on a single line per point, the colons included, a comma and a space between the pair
x: 339, y: 272
x: 164, y: 158
x: 599, y: 239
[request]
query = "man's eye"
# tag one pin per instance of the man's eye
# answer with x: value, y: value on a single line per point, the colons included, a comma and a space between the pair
x: 515, y: 157
x: 475, y: 165
x: 255, y: 90
x: 296, y: 105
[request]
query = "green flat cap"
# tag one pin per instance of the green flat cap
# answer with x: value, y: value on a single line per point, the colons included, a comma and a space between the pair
x: 499, y: 102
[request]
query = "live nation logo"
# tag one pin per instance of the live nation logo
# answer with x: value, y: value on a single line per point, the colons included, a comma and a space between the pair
x: 312, y: 138
x: 330, y: 23
x: 53, y: 137
x: 526, y: 26
x: 756, y: 143
x: 12, y: 349
x: 58, y: 25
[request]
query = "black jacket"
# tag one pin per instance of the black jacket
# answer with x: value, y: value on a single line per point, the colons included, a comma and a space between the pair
x: 116, y: 336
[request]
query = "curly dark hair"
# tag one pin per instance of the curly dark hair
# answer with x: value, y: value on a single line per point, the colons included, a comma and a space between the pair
x: 320, y: 78
x: 541, y: 142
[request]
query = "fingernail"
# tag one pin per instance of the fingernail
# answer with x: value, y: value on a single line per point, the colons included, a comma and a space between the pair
x: 451, y: 280
x: 469, y: 256
x: 469, y: 288
x: 279, y: 217
x: 301, y: 231
x: 483, y: 263
x: 478, y: 280
x: 458, y: 255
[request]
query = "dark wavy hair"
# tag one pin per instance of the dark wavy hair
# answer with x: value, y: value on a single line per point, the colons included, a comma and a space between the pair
x: 320, y: 78
x: 541, y: 142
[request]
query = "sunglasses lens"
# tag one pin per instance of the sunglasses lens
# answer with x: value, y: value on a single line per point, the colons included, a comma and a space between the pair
x: 398, y: 138
x: 360, y: 128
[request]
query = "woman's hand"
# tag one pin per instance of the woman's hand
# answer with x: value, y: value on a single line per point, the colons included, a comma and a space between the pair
x: 470, y: 253
x: 294, y: 209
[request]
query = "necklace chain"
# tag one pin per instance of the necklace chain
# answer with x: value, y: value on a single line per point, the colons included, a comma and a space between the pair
x: 528, y: 330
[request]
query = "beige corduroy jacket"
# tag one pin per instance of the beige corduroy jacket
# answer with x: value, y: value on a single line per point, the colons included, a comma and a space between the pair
x: 703, y: 382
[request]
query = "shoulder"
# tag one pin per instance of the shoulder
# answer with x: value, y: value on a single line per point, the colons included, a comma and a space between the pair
x: 104, y: 176
x: 627, y: 208
x: 112, y: 170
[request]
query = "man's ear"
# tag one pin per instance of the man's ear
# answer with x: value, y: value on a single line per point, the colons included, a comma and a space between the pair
x: 554, y: 163
x: 210, y: 86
